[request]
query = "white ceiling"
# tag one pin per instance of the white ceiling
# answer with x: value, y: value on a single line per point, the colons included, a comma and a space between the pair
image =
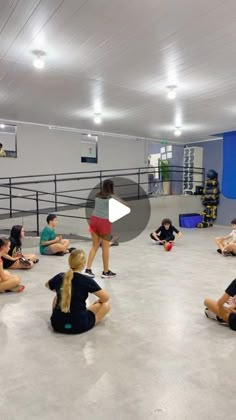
x: 117, y: 57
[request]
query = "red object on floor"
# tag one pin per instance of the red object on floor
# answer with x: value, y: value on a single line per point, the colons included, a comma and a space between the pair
x: 168, y: 246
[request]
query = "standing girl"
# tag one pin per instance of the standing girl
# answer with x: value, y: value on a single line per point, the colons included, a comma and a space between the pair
x: 100, y: 229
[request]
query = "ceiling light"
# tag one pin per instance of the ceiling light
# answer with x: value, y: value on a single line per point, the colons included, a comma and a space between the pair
x: 171, y: 91
x: 97, y: 118
x: 89, y: 135
x: 2, y: 125
x: 177, y: 131
x: 38, y: 61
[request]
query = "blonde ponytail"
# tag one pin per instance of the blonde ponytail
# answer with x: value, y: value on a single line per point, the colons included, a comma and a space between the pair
x: 77, y: 260
x: 66, y: 291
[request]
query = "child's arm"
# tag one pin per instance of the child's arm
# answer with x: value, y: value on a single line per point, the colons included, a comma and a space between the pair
x: 178, y: 233
x: 155, y: 234
x: 102, y: 295
x: 8, y: 257
x: 221, y: 302
x: 226, y: 237
x: 53, y: 241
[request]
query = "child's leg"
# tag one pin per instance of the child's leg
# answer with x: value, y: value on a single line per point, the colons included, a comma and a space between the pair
x: 19, y: 266
x: 31, y: 257
x: 114, y: 239
x: 93, y: 250
x: 220, y: 242
x: 10, y: 282
x: 153, y: 237
x: 105, y: 252
x: 230, y: 248
x: 55, y: 248
x: 221, y: 312
x: 65, y: 243
x: 100, y: 310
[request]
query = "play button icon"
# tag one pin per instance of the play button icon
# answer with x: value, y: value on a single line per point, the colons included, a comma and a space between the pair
x: 117, y: 210
x: 129, y: 209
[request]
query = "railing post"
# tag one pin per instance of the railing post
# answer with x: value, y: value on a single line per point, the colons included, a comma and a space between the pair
x: 10, y: 197
x: 55, y: 182
x: 138, y: 183
x: 37, y: 211
x: 100, y: 180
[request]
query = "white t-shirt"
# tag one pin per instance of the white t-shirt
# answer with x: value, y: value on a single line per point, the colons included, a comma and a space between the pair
x: 232, y: 235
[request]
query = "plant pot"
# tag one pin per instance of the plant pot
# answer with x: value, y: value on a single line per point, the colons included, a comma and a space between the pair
x: 166, y: 187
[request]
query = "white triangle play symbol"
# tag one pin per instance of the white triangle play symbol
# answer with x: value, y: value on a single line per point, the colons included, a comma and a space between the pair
x: 117, y: 210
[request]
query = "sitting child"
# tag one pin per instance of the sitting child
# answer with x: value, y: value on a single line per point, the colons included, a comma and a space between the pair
x: 15, y: 260
x: 70, y: 314
x: 221, y: 312
x: 165, y: 233
x: 8, y: 283
x: 227, y: 244
x: 50, y: 244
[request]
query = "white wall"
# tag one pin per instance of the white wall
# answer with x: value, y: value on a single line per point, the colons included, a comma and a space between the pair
x: 41, y: 151
x: 44, y: 151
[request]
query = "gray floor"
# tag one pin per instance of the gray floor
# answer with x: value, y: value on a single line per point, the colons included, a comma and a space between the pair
x: 156, y: 356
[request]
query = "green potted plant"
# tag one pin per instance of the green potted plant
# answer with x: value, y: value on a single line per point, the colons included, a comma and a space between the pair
x: 165, y: 176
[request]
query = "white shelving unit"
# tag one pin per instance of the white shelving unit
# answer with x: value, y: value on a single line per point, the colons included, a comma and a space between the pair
x: 193, y: 158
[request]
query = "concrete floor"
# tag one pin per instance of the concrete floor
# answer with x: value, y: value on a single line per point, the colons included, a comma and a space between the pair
x: 156, y: 356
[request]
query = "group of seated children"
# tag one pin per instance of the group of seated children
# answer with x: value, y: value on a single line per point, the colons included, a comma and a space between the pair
x: 69, y: 313
x: 223, y: 310
x: 12, y: 257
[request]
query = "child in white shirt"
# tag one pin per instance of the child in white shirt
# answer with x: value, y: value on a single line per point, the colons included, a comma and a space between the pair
x: 227, y: 244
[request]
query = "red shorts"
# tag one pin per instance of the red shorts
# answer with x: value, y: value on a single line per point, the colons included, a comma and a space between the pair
x: 99, y: 226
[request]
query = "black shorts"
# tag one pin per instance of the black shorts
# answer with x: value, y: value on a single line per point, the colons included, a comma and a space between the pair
x: 232, y: 321
x: 73, y: 324
x: 7, y: 263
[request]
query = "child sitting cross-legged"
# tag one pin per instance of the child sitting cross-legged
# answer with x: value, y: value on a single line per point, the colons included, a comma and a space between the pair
x: 165, y: 233
x: 70, y: 314
x: 8, y: 282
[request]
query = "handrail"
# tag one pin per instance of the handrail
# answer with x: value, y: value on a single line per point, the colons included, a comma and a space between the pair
x: 63, y: 199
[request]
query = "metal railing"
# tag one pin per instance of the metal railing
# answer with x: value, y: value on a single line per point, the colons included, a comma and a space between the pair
x: 39, y: 194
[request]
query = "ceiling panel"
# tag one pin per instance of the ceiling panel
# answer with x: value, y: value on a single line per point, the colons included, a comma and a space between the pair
x: 118, y: 57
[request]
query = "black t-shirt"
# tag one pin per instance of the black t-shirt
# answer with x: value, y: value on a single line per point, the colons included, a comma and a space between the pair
x: 14, y: 249
x: 164, y: 233
x: 81, y: 286
x: 231, y: 289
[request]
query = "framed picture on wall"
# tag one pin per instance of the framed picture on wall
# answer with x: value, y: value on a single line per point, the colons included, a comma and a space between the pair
x: 8, y: 145
x: 89, y: 149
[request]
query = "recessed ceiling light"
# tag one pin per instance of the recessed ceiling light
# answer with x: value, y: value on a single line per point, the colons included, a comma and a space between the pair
x: 171, y: 91
x: 2, y: 125
x: 89, y: 135
x: 177, y: 131
x: 97, y: 118
x: 38, y: 61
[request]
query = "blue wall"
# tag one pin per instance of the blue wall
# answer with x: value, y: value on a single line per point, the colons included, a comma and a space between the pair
x: 213, y: 159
